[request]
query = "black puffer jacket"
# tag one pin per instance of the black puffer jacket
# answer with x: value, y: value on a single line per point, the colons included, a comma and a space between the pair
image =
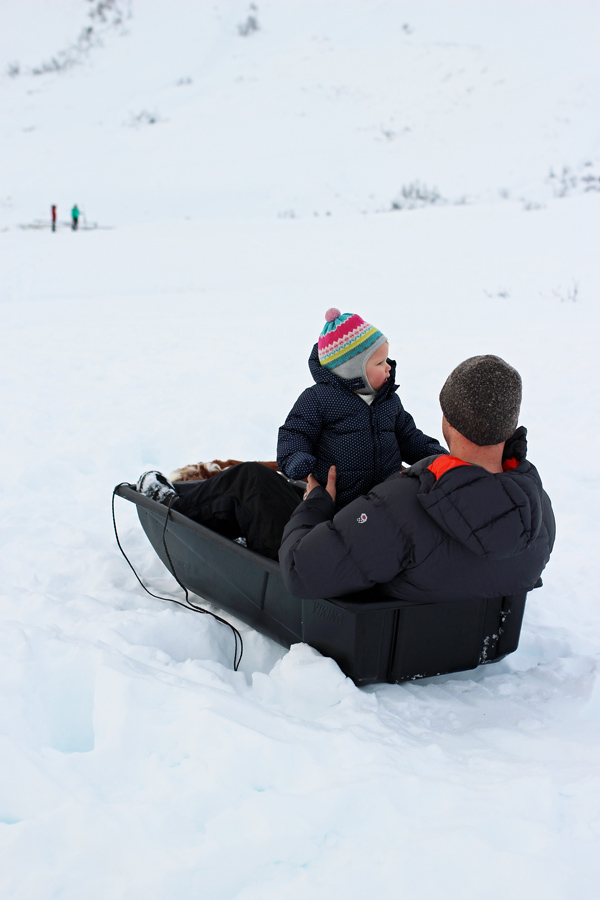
x: 443, y: 529
x: 330, y: 425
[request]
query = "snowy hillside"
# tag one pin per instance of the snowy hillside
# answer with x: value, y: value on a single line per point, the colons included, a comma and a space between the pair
x: 433, y: 166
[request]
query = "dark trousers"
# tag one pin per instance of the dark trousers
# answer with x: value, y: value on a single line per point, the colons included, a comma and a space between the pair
x: 248, y: 500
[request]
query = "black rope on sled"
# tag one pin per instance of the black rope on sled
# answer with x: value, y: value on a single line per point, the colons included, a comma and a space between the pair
x: 188, y: 603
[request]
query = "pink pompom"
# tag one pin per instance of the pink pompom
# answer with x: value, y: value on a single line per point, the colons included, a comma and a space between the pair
x: 331, y: 314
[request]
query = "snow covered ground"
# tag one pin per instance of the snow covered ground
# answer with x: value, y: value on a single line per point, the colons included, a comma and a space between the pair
x: 135, y: 763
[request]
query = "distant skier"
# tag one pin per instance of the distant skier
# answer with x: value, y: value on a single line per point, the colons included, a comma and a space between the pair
x: 54, y: 218
x: 74, y: 217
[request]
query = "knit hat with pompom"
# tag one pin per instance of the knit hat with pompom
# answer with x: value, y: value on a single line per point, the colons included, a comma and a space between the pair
x: 345, y: 336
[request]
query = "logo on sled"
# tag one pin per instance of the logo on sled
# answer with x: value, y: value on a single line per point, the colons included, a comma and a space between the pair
x: 362, y: 519
x: 327, y: 613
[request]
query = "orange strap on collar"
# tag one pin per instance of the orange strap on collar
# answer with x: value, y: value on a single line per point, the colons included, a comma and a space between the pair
x: 443, y: 464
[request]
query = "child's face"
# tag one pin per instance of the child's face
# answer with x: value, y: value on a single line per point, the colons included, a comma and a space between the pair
x: 378, y: 369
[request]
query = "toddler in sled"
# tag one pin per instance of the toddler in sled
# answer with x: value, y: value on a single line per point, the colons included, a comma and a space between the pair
x: 352, y: 417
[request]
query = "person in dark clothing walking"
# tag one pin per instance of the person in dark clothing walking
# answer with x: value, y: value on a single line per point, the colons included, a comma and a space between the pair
x: 53, y: 213
x: 476, y: 523
x: 75, y: 217
x: 352, y: 416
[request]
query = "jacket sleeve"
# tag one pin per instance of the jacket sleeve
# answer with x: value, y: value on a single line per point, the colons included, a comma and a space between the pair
x: 299, y: 435
x: 414, y: 444
x: 323, y: 555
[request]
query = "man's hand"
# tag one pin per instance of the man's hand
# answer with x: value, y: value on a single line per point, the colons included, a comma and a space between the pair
x: 329, y: 487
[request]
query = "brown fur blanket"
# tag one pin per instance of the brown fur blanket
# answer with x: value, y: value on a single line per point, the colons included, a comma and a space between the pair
x: 203, y: 470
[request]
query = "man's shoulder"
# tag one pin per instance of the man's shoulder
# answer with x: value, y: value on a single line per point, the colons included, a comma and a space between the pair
x: 417, y: 473
x: 397, y: 494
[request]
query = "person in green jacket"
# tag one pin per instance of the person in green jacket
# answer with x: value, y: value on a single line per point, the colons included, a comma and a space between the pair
x: 74, y: 217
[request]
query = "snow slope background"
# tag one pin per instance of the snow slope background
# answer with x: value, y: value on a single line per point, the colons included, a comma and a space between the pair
x: 433, y: 166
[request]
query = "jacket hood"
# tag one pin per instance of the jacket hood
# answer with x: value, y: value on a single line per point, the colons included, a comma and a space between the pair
x: 321, y: 375
x: 495, y: 516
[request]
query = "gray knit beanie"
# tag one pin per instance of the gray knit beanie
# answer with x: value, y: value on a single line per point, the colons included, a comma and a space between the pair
x: 482, y: 398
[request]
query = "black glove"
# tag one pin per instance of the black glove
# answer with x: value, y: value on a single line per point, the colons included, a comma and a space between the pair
x: 516, y: 446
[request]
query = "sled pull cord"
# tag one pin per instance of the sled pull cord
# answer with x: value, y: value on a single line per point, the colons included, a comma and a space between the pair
x: 188, y: 603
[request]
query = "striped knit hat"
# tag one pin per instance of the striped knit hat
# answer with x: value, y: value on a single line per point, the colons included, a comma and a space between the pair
x: 346, y: 335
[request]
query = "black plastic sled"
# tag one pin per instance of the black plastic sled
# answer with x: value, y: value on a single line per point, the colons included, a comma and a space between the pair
x: 372, y: 638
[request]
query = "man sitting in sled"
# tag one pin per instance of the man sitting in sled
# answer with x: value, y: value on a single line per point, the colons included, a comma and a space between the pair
x: 472, y: 524
x: 476, y: 523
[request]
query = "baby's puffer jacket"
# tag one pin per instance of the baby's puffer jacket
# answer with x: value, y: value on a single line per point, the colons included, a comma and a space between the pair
x: 330, y: 425
x: 442, y: 530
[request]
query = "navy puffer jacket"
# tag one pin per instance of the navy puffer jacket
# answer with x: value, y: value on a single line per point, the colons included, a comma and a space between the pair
x: 443, y: 529
x: 330, y: 425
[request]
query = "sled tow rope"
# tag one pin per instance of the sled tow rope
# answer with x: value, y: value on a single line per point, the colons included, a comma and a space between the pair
x: 238, y: 648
